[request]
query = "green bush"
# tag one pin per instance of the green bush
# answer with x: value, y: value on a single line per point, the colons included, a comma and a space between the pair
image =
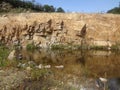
x: 115, y: 10
x: 59, y: 46
x: 27, y: 5
x: 31, y: 47
x: 115, y: 47
x: 36, y: 74
x: 99, y: 47
x: 4, y: 52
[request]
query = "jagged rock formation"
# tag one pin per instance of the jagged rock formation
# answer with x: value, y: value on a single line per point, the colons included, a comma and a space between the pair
x: 45, y: 29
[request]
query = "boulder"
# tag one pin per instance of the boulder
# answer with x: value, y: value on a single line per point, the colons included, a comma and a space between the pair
x: 11, y: 55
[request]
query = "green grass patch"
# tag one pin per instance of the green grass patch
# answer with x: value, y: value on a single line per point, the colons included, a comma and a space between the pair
x: 31, y: 47
x: 99, y: 47
x: 58, y: 46
x: 115, y: 47
x: 8, y: 63
x: 37, y: 74
x: 4, y: 52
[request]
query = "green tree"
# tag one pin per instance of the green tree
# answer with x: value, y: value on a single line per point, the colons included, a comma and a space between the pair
x: 52, y: 9
x: 48, y: 8
x: 60, y: 10
x: 115, y: 10
x: 25, y: 5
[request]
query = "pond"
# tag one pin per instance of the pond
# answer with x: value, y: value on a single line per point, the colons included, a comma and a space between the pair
x: 75, y: 70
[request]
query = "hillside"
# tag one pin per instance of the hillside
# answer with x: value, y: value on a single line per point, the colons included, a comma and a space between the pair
x: 115, y: 10
x: 45, y: 29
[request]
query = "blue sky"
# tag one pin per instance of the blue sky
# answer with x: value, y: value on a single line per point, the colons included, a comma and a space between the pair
x: 89, y: 6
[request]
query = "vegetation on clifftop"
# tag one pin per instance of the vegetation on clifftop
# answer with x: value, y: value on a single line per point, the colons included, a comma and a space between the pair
x: 115, y: 10
x: 23, y: 6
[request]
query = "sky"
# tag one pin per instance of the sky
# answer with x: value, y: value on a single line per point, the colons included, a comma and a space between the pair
x: 87, y: 6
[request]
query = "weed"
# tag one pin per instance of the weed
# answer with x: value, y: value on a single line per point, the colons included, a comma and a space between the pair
x: 58, y: 46
x: 115, y: 47
x: 4, y: 52
x: 31, y: 47
x: 36, y: 74
x: 99, y: 47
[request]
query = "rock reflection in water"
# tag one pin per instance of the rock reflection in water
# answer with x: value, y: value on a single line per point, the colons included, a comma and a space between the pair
x: 108, y: 84
x: 96, y: 62
x: 81, y: 68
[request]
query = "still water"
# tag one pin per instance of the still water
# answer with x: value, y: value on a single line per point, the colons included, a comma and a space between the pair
x: 76, y: 70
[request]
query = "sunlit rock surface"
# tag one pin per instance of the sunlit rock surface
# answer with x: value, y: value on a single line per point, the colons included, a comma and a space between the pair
x: 46, y: 29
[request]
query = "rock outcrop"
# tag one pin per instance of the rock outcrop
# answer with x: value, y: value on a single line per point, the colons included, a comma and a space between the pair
x: 46, y: 29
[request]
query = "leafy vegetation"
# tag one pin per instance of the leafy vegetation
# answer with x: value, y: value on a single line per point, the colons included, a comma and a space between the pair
x: 99, y: 47
x: 60, y: 10
x: 115, y: 10
x: 36, y: 74
x: 116, y: 46
x: 23, y: 6
x: 4, y: 52
x: 56, y: 47
x: 65, y: 47
x: 47, y: 8
x: 31, y: 47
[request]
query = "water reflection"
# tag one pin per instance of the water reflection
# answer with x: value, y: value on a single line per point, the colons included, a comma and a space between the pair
x: 108, y: 84
x: 80, y: 69
x: 114, y: 84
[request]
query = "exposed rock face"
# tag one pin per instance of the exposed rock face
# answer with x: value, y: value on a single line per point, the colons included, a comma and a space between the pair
x: 45, y: 29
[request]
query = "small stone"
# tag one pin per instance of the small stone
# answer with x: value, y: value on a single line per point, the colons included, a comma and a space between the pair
x: 59, y: 67
x: 19, y: 65
x: 23, y: 65
x: 11, y: 55
x: 47, y: 66
x: 40, y: 66
x: 28, y: 68
x: 1, y: 71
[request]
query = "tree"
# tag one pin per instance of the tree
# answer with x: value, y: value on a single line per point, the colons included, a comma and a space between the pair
x: 48, y: 8
x: 52, y: 9
x: 38, y: 7
x: 30, y: 5
x: 60, y: 10
x: 115, y: 10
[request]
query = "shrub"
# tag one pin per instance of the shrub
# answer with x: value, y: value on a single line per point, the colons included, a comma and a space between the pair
x: 115, y: 47
x: 36, y: 74
x: 4, y: 52
x: 31, y: 47
x: 99, y: 47
x: 59, y: 46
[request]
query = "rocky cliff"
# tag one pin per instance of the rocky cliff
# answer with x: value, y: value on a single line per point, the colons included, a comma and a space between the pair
x: 46, y: 29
